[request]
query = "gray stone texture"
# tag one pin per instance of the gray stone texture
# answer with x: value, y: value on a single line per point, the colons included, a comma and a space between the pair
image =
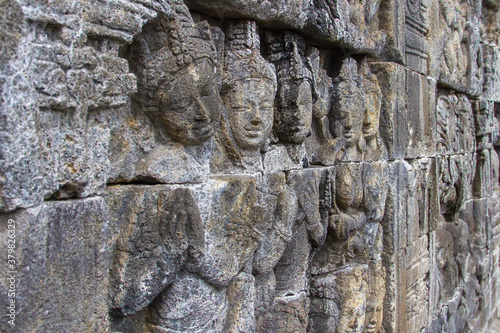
x: 250, y: 166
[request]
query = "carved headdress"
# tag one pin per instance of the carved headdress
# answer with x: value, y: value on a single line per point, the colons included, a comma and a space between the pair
x: 166, y: 46
x: 242, y: 58
x: 242, y: 61
x: 348, y: 74
x: 286, y: 52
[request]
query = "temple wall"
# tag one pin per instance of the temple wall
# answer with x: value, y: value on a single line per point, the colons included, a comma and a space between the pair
x: 250, y: 166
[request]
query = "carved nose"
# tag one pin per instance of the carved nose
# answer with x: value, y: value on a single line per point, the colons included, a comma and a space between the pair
x: 348, y: 122
x: 256, y: 119
x: 200, y: 113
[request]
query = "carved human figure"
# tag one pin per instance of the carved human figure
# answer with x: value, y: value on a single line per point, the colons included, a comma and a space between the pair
x: 249, y: 87
x: 349, y: 107
x: 375, y: 169
x: 174, y: 62
x: 447, y: 267
x: 375, y: 302
x: 455, y: 54
x: 292, y: 270
x: 296, y: 95
x: 248, y: 92
x: 339, y: 300
x: 375, y: 149
x: 352, y: 290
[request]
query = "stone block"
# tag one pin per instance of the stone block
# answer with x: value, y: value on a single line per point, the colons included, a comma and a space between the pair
x: 62, y: 261
x: 416, y: 30
x: 455, y: 47
x: 491, y: 59
x: 421, y: 119
x: 393, y: 116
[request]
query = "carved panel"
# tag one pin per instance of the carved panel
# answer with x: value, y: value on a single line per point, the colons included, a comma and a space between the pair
x: 265, y: 166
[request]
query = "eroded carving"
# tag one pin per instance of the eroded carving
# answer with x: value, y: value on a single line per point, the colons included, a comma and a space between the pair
x: 455, y: 124
x: 296, y: 95
x: 174, y: 60
x: 152, y: 247
x: 248, y: 90
x: 374, y: 312
x: 339, y: 300
x: 349, y: 109
x: 248, y: 187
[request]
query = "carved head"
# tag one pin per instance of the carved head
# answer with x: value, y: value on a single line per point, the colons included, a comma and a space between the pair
x: 349, y: 104
x: 375, y: 302
x: 249, y: 87
x: 174, y: 62
x: 373, y: 94
x: 352, y: 290
x: 296, y: 95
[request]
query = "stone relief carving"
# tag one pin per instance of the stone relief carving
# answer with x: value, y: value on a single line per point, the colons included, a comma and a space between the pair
x: 174, y: 61
x: 455, y: 54
x: 374, y: 312
x: 177, y: 107
x: 248, y: 91
x: 296, y: 95
x: 339, y: 300
x: 456, y: 133
x: 358, y: 199
x: 152, y: 246
x: 248, y: 187
x: 458, y: 45
x: 375, y: 147
x: 348, y: 110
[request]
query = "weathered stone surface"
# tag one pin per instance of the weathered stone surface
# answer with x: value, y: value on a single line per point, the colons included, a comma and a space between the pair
x: 250, y: 166
x: 454, y: 42
x: 231, y: 230
x: 189, y: 304
x: 240, y: 315
x: 160, y: 227
x: 491, y: 56
x: 354, y: 25
x: 68, y: 75
x: 62, y: 256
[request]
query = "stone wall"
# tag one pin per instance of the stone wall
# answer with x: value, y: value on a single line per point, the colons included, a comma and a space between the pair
x: 249, y: 166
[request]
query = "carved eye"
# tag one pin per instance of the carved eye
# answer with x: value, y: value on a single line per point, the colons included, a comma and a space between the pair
x: 266, y: 105
x: 179, y: 105
x: 241, y: 109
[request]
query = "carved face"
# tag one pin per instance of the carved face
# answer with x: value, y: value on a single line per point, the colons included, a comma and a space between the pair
x: 250, y: 111
x: 372, y: 115
x: 352, y: 313
x: 190, y: 104
x: 350, y: 110
x: 375, y: 308
x: 294, y: 114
